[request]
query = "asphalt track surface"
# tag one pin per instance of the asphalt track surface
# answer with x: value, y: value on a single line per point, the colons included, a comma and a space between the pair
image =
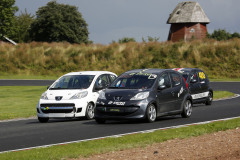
x: 30, y: 133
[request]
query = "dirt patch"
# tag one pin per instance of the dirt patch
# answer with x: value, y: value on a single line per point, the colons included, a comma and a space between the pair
x: 223, y: 145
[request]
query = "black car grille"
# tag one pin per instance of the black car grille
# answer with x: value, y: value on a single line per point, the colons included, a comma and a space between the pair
x: 116, y: 110
x: 58, y: 107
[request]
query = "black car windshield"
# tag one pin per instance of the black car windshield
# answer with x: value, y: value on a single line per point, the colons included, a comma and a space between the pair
x: 185, y: 76
x: 134, y: 81
x: 73, y: 82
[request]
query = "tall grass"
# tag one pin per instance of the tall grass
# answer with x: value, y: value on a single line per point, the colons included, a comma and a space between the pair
x: 218, y: 59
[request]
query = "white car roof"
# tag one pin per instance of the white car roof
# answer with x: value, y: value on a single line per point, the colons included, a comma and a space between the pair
x: 90, y: 73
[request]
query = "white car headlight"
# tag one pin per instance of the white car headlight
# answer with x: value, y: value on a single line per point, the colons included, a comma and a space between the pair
x: 44, y: 96
x: 80, y: 95
x: 102, y: 95
x: 140, y: 96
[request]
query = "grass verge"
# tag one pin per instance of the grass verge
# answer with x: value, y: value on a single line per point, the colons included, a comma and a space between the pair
x: 22, y: 76
x: 48, y: 77
x: 225, y: 80
x: 88, y: 148
x: 222, y: 94
x: 21, y: 101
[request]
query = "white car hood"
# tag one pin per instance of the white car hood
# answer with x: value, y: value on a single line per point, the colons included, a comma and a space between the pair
x: 65, y: 94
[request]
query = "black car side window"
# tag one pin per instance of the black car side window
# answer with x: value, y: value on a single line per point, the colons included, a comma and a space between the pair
x: 164, y: 80
x: 176, y: 79
x: 194, y: 77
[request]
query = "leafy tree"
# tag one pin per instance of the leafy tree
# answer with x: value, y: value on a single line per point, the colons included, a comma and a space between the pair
x: 235, y: 35
x: 58, y: 22
x: 126, y: 40
x: 22, y: 26
x: 220, y: 34
x: 7, y: 11
x: 151, y: 39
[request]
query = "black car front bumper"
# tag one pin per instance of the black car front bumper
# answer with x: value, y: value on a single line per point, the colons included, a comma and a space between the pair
x: 120, y: 110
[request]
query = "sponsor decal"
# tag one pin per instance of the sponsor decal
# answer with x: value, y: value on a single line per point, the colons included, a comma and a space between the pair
x: 119, y: 103
x: 180, y: 92
x: 46, y: 108
x: 178, y: 69
x: 201, y: 75
x: 152, y: 76
x: 200, y: 95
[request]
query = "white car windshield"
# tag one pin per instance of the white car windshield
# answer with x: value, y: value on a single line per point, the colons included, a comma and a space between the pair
x: 73, y: 82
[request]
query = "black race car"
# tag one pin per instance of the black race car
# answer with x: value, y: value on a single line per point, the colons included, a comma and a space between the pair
x: 144, y: 94
x: 198, y: 84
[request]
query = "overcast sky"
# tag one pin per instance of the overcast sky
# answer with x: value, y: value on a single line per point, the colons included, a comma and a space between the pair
x: 111, y: 20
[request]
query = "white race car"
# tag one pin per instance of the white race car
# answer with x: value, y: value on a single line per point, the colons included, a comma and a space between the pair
x: 73, y: 95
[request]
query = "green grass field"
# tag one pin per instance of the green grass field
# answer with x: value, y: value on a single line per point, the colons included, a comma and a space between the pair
x: 222, y: 94
x: 84, y: 149
x: 21, y: 101
x: 22, y: 76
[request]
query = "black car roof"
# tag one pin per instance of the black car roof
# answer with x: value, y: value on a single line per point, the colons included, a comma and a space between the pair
x: 186, y: 69
x: 150, y: 70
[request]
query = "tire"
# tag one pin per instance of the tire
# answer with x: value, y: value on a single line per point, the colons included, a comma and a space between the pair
x: 90, y: 111
x: 209, y: 99
x: 151, y: 113
x: 43, y: 120
x: 187, y: 109
x: 100, y: 121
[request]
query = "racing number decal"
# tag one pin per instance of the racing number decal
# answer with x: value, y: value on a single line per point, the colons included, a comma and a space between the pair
x: 202, y: 75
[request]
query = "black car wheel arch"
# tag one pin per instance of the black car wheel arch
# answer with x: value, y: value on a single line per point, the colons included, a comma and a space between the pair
x: 187, y: 108
x: 151, y: 113
x: 209, y: 98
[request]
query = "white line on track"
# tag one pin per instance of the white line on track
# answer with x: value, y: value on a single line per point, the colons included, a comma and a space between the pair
x: 120, y: 135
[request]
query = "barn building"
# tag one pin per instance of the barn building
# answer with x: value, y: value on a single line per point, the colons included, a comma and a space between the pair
x: 188, y: 21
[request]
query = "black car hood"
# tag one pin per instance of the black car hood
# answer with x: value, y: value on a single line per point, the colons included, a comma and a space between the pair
x: 121, y: 94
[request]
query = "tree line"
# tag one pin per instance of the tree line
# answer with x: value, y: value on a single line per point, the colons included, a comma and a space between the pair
x: 53, y: 23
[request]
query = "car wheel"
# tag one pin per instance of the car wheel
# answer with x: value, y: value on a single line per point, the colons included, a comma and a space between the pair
x: 100, y: 121
x: 209, y: 99
x: 151, y: 113
x: 43, y: 120
x: 187, y: 109
x: 90, y: 111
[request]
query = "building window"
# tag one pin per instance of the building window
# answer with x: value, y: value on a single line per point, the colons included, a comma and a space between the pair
x: 192, y: 30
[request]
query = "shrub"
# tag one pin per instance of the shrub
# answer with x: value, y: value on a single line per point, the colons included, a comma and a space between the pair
x: 218, y: 59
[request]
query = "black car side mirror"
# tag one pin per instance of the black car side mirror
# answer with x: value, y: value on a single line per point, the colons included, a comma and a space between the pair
x: 193, y: 81
x: 48, y: 87
x: 161, y: 87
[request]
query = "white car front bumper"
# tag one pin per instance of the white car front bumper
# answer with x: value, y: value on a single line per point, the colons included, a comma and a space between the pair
x: 61, y: 109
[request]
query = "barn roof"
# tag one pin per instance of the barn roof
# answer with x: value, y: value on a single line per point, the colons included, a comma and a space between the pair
x: 188, y: 12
